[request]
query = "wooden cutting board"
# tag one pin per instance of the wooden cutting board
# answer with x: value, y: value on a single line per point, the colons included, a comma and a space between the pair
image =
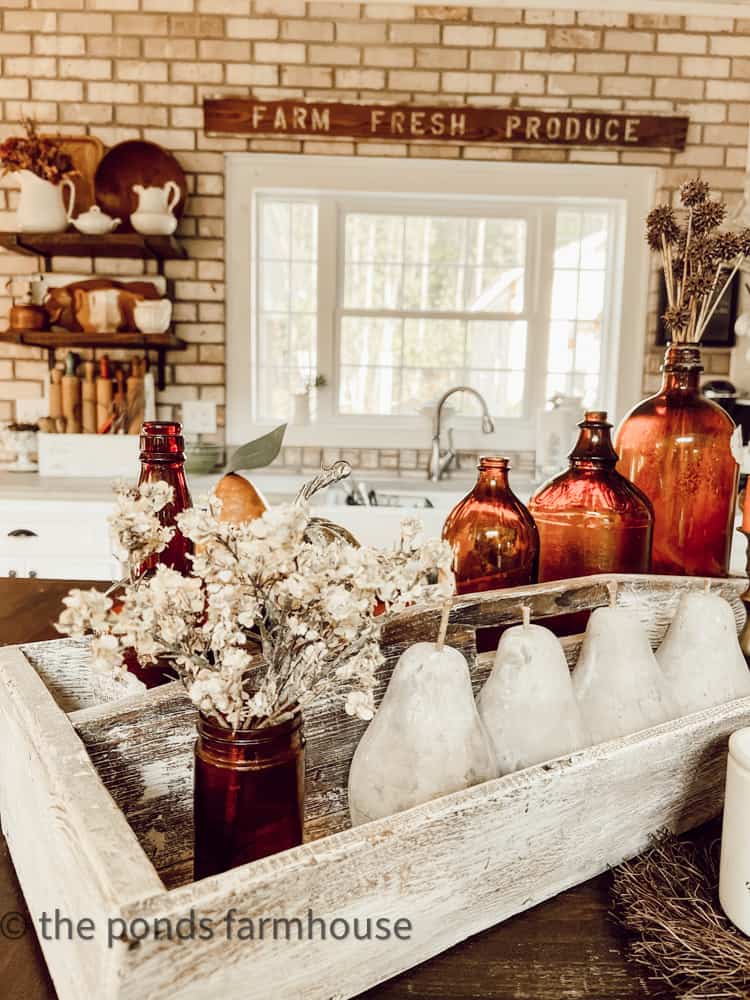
x: 85, y: 151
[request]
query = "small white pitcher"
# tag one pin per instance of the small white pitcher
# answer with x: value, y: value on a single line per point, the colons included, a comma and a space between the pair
x: 157, y: 200
x: 40, y: 207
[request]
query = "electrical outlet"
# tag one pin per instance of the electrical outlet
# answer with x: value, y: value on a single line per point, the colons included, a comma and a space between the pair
x: 28, y: 411
x: 198, y: 416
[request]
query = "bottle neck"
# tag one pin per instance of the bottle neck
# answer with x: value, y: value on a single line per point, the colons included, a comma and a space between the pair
x: 682, y: 368
x: 594, y: 448
x: 163, y: 460
x: 493, y: 474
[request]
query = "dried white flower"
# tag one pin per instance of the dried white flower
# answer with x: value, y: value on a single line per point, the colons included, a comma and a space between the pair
x: 272, y: 617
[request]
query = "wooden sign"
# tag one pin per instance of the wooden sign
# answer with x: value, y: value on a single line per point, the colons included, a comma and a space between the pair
x: 506, y: 126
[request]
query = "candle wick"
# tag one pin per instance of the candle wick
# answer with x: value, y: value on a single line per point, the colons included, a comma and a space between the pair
x: 443, y: 625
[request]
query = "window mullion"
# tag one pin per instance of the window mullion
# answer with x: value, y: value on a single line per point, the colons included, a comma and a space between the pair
x: 539, y: 288
x: 330, y: 274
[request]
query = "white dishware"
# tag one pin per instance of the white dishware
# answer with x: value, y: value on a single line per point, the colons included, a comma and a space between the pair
x: 426, y: 740
x: 527, y: 703
x: 95, y: 222
x: 153, y: 223
x: 153, y: 315
x: 154, y: 215
x: 734, y: 875
x: 157, y: 200
x: 97, y: 310
x: 40, y: 206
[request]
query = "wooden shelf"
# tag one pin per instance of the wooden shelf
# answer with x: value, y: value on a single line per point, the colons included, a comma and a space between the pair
x: 125, y: 340
x: 75, y: 244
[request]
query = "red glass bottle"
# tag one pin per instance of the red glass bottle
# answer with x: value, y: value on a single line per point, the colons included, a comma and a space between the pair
x: 249, y: 795
x: 494, y: 539
x: 590, y: 518
x: 676, y: 447
x: 163, y: 459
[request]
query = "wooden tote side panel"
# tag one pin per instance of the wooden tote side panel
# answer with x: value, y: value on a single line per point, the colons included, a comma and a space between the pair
x: 452, y: 867
x: 71, y: 846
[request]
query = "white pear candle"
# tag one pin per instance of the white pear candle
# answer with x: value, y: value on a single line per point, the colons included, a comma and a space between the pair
x: 527, y: 703
x: 618, y: 683
x: 701, y: 656
x: 426, y: 739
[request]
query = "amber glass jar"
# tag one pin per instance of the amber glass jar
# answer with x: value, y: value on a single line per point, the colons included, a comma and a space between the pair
x: 249, y: 798
x: 676, y: 447
x: 494, y: 539
x: 590, y: 518
x: 163, y: 459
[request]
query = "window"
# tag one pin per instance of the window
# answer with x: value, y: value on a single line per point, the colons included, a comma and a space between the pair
x: 395, y: 296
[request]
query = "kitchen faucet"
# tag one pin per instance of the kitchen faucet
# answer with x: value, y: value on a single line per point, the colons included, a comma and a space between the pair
x: 440, y: 460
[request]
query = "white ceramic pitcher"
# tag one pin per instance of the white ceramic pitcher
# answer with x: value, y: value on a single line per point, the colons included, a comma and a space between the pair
x: 157, y: 200
x: 40, y: 206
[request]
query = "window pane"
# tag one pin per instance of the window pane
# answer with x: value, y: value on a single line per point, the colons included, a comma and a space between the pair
x: 579, y: 290
x: 568, y: 239
x: 418, y: 263
x: 503, y: 391
x: 368, y: 390
x: 434, y: 343
x: 287, y: 303
x: 496, y: 344
x: 275, y: 230
x: 367, y: 341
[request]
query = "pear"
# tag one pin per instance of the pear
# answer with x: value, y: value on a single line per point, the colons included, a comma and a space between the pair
x: 701, y: 656
x: 240, y: 501
x: 426, y: 739
x: 618, y: 683
x: 527, y: 703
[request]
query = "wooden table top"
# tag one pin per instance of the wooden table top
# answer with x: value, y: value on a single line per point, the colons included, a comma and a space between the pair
x: 565, y: 949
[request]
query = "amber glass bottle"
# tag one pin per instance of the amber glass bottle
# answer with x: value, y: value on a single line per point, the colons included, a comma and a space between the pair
x: 249, y: 795
x: 676, y: 447
x: 494, y: 539
x: 590, y: 518
x: 163, y: 458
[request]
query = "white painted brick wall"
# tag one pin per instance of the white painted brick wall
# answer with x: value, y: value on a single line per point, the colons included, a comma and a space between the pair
x: 122, y: 68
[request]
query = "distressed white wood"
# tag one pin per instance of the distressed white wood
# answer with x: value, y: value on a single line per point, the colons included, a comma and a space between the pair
x: 452, y: 867
x: 71, y: 846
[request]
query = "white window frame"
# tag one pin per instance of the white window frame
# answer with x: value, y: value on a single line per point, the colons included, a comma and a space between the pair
x: 352, y: 178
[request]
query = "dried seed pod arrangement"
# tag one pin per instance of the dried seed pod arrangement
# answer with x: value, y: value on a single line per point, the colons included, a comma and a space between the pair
x: 699, y: 258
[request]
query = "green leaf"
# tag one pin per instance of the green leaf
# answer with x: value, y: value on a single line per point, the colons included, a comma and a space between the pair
x: 259, y: 453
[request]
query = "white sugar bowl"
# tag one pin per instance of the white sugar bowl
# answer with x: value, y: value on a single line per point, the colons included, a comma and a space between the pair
x: 95, y: 222
x: 153, y: 315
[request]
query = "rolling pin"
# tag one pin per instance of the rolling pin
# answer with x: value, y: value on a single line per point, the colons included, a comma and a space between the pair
x: 71, y: 396
x: 103, y: 395
x: 55, y: 394
x: 89, y: 399
x: 135, y: 397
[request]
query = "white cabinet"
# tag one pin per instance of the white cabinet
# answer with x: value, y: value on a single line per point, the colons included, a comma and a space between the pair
x: 56, y: 540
